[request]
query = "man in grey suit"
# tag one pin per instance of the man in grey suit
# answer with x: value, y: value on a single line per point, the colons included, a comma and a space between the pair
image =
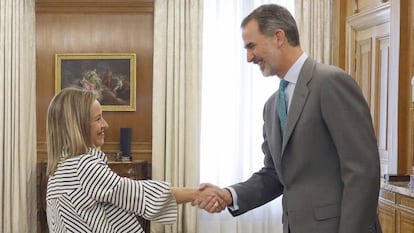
x: 323, y: 156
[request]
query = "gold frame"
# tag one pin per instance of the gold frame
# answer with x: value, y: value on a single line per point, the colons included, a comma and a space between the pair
x: 75, y: 66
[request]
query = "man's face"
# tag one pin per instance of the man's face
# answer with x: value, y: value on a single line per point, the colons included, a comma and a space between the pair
x: 261, y: 49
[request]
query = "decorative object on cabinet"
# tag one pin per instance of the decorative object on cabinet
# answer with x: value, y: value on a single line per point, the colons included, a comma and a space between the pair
x: 111, y: 75
x: 411, y: 179
x: 135, y: 169
x: 396, y: 177
x: 125, y: 144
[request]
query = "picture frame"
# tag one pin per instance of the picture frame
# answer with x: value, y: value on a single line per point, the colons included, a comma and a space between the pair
x: 111, y: 75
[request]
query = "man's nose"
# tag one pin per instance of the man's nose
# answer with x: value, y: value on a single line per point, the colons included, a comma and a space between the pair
x: 250, y: 56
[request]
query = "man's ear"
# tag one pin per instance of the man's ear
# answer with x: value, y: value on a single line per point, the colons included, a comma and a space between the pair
x: 280, y: 37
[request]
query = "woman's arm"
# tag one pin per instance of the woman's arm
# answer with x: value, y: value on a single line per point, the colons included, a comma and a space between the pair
x: 184, y: 195
x: 194, y: 195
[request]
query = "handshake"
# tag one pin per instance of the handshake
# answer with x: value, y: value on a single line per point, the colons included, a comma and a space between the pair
x: 212, y: 198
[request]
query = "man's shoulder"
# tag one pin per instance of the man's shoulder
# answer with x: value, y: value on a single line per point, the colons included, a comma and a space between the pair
x: 331, y: 70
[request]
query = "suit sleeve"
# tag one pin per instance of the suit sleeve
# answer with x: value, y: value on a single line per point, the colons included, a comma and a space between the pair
x: 348, y: 119
x: 263, y: 186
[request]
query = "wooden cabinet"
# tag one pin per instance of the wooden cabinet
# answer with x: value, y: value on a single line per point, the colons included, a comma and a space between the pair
x: 396, y: 212
x: 405, y: 214
x: 137, y: 169
x: 386, y: 211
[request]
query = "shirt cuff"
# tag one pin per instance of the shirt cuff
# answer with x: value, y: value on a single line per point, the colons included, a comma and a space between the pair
x: 234, y: 206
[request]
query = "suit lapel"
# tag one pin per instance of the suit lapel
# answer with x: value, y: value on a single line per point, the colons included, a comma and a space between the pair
x: 299, y: 97
x: 274, y: 138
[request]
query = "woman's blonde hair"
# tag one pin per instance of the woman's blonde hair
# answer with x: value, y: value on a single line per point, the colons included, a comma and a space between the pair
x: 68, y: 125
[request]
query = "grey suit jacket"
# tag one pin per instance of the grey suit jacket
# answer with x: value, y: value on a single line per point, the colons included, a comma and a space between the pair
x: 327, y: 166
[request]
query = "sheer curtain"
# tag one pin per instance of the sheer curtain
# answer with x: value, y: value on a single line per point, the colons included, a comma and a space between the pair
x: 314, y: 19
x: 176, y: 101
x: 17, y: 116
x: 233, y: 95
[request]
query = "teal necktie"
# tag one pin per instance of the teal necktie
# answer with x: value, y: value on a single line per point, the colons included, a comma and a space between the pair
x: 281, y: 105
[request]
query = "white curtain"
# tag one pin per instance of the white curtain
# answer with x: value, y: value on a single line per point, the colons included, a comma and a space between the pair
x: 17, y: 116
x: 176, y: 100
x: 314, y: 19
x: 234, y: 93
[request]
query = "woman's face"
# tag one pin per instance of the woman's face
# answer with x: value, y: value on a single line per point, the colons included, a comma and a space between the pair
x: 98, y: 125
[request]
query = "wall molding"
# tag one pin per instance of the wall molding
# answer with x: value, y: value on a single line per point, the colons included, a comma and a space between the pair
x: 139, y: 150
x: 90, y: 7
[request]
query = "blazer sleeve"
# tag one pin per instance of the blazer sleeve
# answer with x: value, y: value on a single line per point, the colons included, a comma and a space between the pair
x: 263, y: 186
x: 348, y: 119
x: 152, y: 200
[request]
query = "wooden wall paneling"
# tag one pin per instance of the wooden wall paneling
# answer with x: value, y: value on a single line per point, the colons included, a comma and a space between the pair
x: 361, y: 5
x: 405, y: 126
x: 98, y: 27
x: 105, y: 26
x: 367, y: 60
x: 139, y: 150
x: 361, y: 23
x: 338, y: 32
x: 363, y: 63
x: 381, y: 85
x: 410, y: 6
x: 95, y: 6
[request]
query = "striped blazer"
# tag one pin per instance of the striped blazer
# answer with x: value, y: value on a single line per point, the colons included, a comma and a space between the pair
x: 84, y: 195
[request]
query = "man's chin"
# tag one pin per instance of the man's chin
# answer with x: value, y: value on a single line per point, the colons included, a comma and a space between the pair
x: 266, y: 73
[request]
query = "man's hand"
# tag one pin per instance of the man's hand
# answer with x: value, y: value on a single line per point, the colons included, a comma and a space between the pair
x: 212, y: 198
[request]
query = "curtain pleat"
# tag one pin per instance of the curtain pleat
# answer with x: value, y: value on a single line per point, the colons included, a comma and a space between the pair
x: 314, y: 19
x: 17, y: 116
x: 176, y: 100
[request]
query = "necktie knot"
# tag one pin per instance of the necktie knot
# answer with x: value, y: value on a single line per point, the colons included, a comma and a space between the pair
x: 283, y: 84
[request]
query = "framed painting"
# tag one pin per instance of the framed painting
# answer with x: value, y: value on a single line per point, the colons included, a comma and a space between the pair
x: 111, y: 75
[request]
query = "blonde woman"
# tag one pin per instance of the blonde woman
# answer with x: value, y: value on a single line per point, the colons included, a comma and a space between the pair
x: 83, y: 194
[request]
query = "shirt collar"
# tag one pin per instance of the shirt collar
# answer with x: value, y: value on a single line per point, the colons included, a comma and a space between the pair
x: 293, y: 73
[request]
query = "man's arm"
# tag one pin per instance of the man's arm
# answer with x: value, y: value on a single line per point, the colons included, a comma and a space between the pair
x: 348, y: 118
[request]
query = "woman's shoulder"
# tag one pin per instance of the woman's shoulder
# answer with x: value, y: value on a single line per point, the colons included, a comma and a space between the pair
x: 94, y: 155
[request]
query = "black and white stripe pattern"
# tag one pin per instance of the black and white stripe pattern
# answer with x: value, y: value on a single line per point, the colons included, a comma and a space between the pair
x: 84, y: 195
